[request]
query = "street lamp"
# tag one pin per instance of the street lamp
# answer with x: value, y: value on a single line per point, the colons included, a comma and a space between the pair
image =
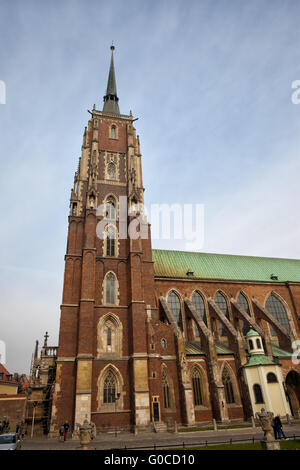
x: 116, y: 398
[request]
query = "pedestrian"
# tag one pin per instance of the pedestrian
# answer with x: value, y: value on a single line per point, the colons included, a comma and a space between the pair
x: 61, y: 433
x: 66, y: 429
x: 278, y: 426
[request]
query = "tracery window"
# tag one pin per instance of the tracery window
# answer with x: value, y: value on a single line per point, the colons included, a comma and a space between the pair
x: 166, y: 390
x: 110, y: 207
x: 111, y: 241
x: 199, y: 305
x: 196, y: 384
x: 109, y: 389
x: 222, y: 304
x: 110, y: 288
x: 228, y: 388
x: 277, y: 309
x: 243, y: 302
x: 175, y: 307
x: 111, y: 171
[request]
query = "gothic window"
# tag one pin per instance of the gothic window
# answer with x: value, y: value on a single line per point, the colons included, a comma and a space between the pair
x: 228, y: 388
x: 163, y: 343
x: 111, y: 241
x: 166, y: 390
x: 109, y: 389
x: 175, y: 307
x: 108, y: 336
x: 199, y: 305
x: 277, y: 309
x: 111, y: 171
x: 222, y: 304
x: 243, y: 302
x: 110, y: 288
x: 113, y: 132
x: 271, y: 378
x: 110, y: 207
x: 258, y: 393
x: 196, y: 384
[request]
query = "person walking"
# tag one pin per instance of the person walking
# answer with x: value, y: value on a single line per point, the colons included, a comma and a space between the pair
x: 274, y: 429
x: 66, y: 429
x: 61, y: 432
x: 278, y: 426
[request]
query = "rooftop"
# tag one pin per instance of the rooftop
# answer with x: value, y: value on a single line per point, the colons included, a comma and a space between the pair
x: 176, y: 264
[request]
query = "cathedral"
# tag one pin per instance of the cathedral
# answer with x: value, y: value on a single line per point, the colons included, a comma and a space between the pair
x: 150, y: 339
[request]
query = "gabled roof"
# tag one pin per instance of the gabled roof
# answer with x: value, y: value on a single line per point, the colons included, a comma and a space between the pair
x: 176, y: 264
x: 5, y: 373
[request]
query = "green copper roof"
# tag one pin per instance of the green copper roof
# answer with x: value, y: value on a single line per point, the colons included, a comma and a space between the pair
x: 280, y: 353
x: 192, y: 348
x: 251, y: 333
x: 169, y: 263
x: 259, y: 360
x: 111, y: 99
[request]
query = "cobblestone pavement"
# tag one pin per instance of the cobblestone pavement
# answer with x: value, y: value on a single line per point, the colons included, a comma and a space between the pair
x: 108, y: 441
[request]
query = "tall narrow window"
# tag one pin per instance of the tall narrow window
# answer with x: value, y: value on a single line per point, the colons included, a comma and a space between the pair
x: 199, y: 305
x: 228, y: 389
x: 113, y: 132
x: 110, y: 289
x: 109, y: 390
x: 196, y: 383
x: 166, y: 390
x: 111, y: 171
x: 108, y: 336
x: 277, y: 309
x: 222, y: 304
x: 175, y: 307
x: 110, y: 208
x: 258, y: 393
x: 243, y: 302
x: 111, y: 241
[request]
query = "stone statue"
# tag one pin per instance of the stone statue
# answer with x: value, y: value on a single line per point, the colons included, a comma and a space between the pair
x: 265, y: 420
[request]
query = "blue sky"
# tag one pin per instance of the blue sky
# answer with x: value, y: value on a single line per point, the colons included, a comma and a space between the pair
x: 210, y: 82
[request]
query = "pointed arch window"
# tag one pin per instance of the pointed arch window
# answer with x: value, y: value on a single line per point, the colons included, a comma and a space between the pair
x: 258, y: 393
x: 198, y: 302
x: 175, y: 307
x: 277, y: 309
x: 110, y: 208
x: 166, y: 390
x: 109, y: 389
x: 111, y: 241
x: 110, y: 288
x: 243, y: 302
x: 111, y: 171
x: 109, y: 336
x: 221, y: 302
x: 196, y: 384
x: 228, y: 388
x: 113, y: 132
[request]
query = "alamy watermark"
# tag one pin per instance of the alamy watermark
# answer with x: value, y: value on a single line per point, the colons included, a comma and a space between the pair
x: 168, y: 222
x: 296, y: 94
x: 2, y: 92
x: 296, y: 353
x: 2, y: 352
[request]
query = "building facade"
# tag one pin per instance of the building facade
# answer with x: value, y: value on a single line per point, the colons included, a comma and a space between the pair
x: 153, y: 337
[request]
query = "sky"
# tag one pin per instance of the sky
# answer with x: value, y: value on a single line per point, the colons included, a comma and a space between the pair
x: 211, y: 85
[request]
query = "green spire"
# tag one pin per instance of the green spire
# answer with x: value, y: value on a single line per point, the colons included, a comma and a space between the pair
x: 111, y: 99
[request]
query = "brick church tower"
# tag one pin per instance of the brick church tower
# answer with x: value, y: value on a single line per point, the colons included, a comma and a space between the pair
x: 108, y: 280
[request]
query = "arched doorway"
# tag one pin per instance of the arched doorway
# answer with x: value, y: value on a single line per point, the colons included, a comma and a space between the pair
x: 292, y: 382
